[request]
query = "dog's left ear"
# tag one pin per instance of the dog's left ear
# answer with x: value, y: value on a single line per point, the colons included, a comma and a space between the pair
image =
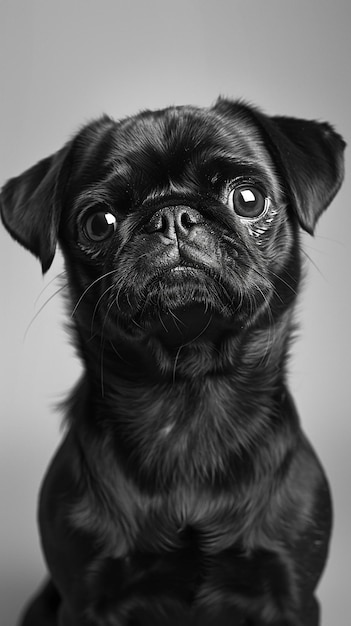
x: 308, y: 156
x: 30, y: 206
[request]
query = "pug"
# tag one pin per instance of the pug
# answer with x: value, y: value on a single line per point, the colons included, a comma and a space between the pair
x: 184, y: 491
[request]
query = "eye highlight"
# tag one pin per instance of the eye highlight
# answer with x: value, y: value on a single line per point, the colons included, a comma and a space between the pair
x: 247, y: 201
x: 99, y: 225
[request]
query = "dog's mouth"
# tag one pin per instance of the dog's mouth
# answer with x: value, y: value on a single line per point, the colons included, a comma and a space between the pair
x: 186, y: 308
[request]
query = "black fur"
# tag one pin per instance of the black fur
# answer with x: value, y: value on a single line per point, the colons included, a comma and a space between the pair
x: 184, y: 491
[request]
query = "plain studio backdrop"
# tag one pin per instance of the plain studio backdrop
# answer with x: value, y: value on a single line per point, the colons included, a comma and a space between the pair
x: 64, y: 62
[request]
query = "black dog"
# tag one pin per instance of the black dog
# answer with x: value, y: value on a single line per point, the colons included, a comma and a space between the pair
x: 185, y: 492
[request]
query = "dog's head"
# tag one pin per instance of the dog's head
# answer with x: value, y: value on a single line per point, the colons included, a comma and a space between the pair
x: 179, y: 227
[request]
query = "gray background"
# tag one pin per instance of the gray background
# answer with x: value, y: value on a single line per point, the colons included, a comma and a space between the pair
x: 65, y: 62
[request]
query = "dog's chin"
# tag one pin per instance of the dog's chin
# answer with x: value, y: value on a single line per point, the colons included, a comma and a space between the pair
x: 194, y: 323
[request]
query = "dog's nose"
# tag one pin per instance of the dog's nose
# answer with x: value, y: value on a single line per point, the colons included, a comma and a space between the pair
x: 174, y: 221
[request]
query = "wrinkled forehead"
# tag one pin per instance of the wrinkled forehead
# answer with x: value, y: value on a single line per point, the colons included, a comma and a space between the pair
x: 173, y: 146
x: 174, y: 135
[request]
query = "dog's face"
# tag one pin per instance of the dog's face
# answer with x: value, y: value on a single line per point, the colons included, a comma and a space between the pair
x: 183, y: 228
x: 179, y: 227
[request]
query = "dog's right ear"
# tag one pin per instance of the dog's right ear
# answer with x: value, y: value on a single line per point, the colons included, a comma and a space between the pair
x: 30, y: 206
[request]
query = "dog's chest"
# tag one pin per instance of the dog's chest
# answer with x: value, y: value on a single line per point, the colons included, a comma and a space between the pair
x: 189, y: 518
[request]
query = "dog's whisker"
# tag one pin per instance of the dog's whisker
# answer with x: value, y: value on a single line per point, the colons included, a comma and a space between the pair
x: 312, y: 262
x: 266, y: 355
x: 62, y: 288
x: 102, y: 348
x: 53, y: 280
x: 135, y: 323
x: 202, y: 332
x: 339, y: 242
x: 129, y: 302
x: 116, y: 351
x: 284, y: 282
x: 176, y: 358
x: 106, y: 318
x: 92, y: 284
x: 117, y: 296
x: 176, y: 320
x: 162, y: 322
x: 97, y: 306
x: 223, y: 289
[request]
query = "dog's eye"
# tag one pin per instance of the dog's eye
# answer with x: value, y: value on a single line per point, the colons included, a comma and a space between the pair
x: 247, y: 201
x: 100, y: 225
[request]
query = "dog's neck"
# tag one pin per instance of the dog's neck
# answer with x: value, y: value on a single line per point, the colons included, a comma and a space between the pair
x: 197, y: 425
